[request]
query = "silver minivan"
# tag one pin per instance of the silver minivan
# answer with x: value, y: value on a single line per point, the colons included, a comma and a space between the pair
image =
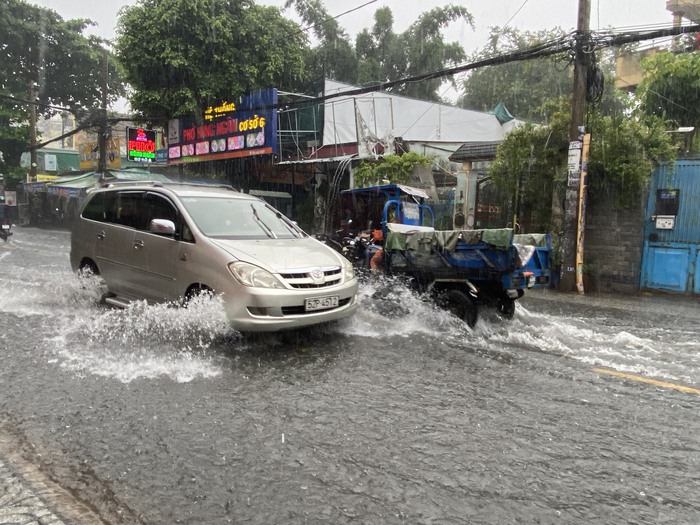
x: 159, y: 242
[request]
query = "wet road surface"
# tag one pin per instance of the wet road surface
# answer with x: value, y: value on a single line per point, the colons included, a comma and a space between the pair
x: 159, y: 415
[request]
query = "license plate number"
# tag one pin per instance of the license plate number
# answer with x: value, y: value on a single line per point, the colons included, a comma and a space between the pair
x: 5, y: 226
x: 321, y: 303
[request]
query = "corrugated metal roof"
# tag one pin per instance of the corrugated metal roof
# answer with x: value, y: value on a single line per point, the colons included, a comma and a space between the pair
x: 471, y: 151
x: 316, y: 161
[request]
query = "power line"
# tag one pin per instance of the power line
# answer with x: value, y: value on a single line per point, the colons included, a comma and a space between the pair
x: 37, y: 103
x: 328, y: 19
x: 565, y: 44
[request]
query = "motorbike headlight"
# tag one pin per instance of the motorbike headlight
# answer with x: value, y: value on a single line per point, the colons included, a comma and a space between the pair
x: 251, y: 275
x: 349, y: 270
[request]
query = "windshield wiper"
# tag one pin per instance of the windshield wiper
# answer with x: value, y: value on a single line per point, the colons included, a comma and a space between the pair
x: 291, y: 227
x: 264, y: 226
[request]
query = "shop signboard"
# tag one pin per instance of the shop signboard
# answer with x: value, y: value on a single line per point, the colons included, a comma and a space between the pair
x: 141, y: 145
x: 231, y: 130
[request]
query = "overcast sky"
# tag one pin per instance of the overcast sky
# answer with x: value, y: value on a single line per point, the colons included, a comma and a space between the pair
x: 531, y: 15
x: 522, y: 14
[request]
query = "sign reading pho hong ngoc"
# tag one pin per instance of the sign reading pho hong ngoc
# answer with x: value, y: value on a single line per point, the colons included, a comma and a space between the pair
x: 141, y: 145
x: 232, y: 129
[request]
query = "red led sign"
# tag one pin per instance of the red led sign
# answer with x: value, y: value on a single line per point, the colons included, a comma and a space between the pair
x: 141, y: 144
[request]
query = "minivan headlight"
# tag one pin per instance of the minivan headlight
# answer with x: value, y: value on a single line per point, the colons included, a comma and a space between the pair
x: 349, y: 269
x: 251, y: 275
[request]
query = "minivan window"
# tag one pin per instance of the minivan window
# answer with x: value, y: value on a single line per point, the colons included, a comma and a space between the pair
x: 158, y: 207
x: 101, y: 207
x: 95, y: 208
x: 130, y: 210
x: 239, y: 219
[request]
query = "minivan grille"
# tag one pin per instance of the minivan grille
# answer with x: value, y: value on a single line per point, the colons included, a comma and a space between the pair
x: 331, y: 277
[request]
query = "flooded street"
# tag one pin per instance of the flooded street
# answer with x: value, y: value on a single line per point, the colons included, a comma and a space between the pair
x: 579, y: 410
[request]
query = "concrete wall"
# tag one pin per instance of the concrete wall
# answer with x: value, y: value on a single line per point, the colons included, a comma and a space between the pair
x: 613, y: 246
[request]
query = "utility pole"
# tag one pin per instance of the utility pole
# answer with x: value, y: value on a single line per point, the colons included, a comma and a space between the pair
x: 567, y: 282
x: 32, y: 131
x: 102, y: 137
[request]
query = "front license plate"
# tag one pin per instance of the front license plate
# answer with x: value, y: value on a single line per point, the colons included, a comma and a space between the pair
x: 321, y: 303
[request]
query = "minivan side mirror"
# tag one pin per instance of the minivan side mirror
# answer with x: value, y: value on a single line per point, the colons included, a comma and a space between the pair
x: 162, y: 227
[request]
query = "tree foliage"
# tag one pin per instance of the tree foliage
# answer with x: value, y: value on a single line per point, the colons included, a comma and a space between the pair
x: 525, y: 87
x: 380, y: 54
x: 528, y: 164
x: 42, y: 49
x: 623, y: 152
x: 182, y: 56
x: 47, y: 59
x: 334, y: 56
x: 396, y: 169
x: 670, y: 88
x: 522, y: 86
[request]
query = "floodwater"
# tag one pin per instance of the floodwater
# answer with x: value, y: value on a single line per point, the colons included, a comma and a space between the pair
x: 402, y: 414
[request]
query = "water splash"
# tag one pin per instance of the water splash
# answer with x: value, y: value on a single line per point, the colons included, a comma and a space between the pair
x: 388, y: 309
x: 141, y: 341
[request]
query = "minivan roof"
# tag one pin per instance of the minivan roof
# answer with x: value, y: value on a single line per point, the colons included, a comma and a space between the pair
x: 182, y: 189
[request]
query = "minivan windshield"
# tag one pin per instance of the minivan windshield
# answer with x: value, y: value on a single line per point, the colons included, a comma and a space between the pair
x: 227, y: 218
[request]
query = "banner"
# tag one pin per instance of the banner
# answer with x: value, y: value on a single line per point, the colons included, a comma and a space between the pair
x: 88, y: 155
x: 230, y: 130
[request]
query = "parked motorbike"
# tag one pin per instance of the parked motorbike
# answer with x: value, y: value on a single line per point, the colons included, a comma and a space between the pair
x: 5, y: 230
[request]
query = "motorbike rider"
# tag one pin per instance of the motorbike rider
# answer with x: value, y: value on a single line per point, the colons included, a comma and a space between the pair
x: 376, y: 260
x: 4, y: 221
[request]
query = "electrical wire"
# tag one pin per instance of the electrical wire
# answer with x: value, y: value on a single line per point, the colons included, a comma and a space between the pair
x: 328, y: 19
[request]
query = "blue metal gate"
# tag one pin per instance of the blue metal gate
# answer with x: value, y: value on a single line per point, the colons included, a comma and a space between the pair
x: 671, y: 258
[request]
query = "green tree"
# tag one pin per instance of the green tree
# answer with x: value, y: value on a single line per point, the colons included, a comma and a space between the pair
x: 426, y: 50
x: 396, y: 169
x: 47, y: 60
x: 334, y: 56
x: 670, y: 88
x: 526, y: 86
x: 380, y: 54
x: 529, y: 164
x: 181, y: 56
x: 624, y: 152
x: 527, y: 169
x: 523, y: 86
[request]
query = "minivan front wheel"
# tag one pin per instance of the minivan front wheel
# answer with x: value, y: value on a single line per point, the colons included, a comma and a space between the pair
x: 194, y: 291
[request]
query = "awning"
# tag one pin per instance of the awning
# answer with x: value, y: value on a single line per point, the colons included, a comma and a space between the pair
x: 73, y: 187
x: 42, y: 186
x: 389, y: 189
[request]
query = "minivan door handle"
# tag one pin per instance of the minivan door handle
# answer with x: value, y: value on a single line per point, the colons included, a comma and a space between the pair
x: 138, y: 244
x: 101, y: 235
